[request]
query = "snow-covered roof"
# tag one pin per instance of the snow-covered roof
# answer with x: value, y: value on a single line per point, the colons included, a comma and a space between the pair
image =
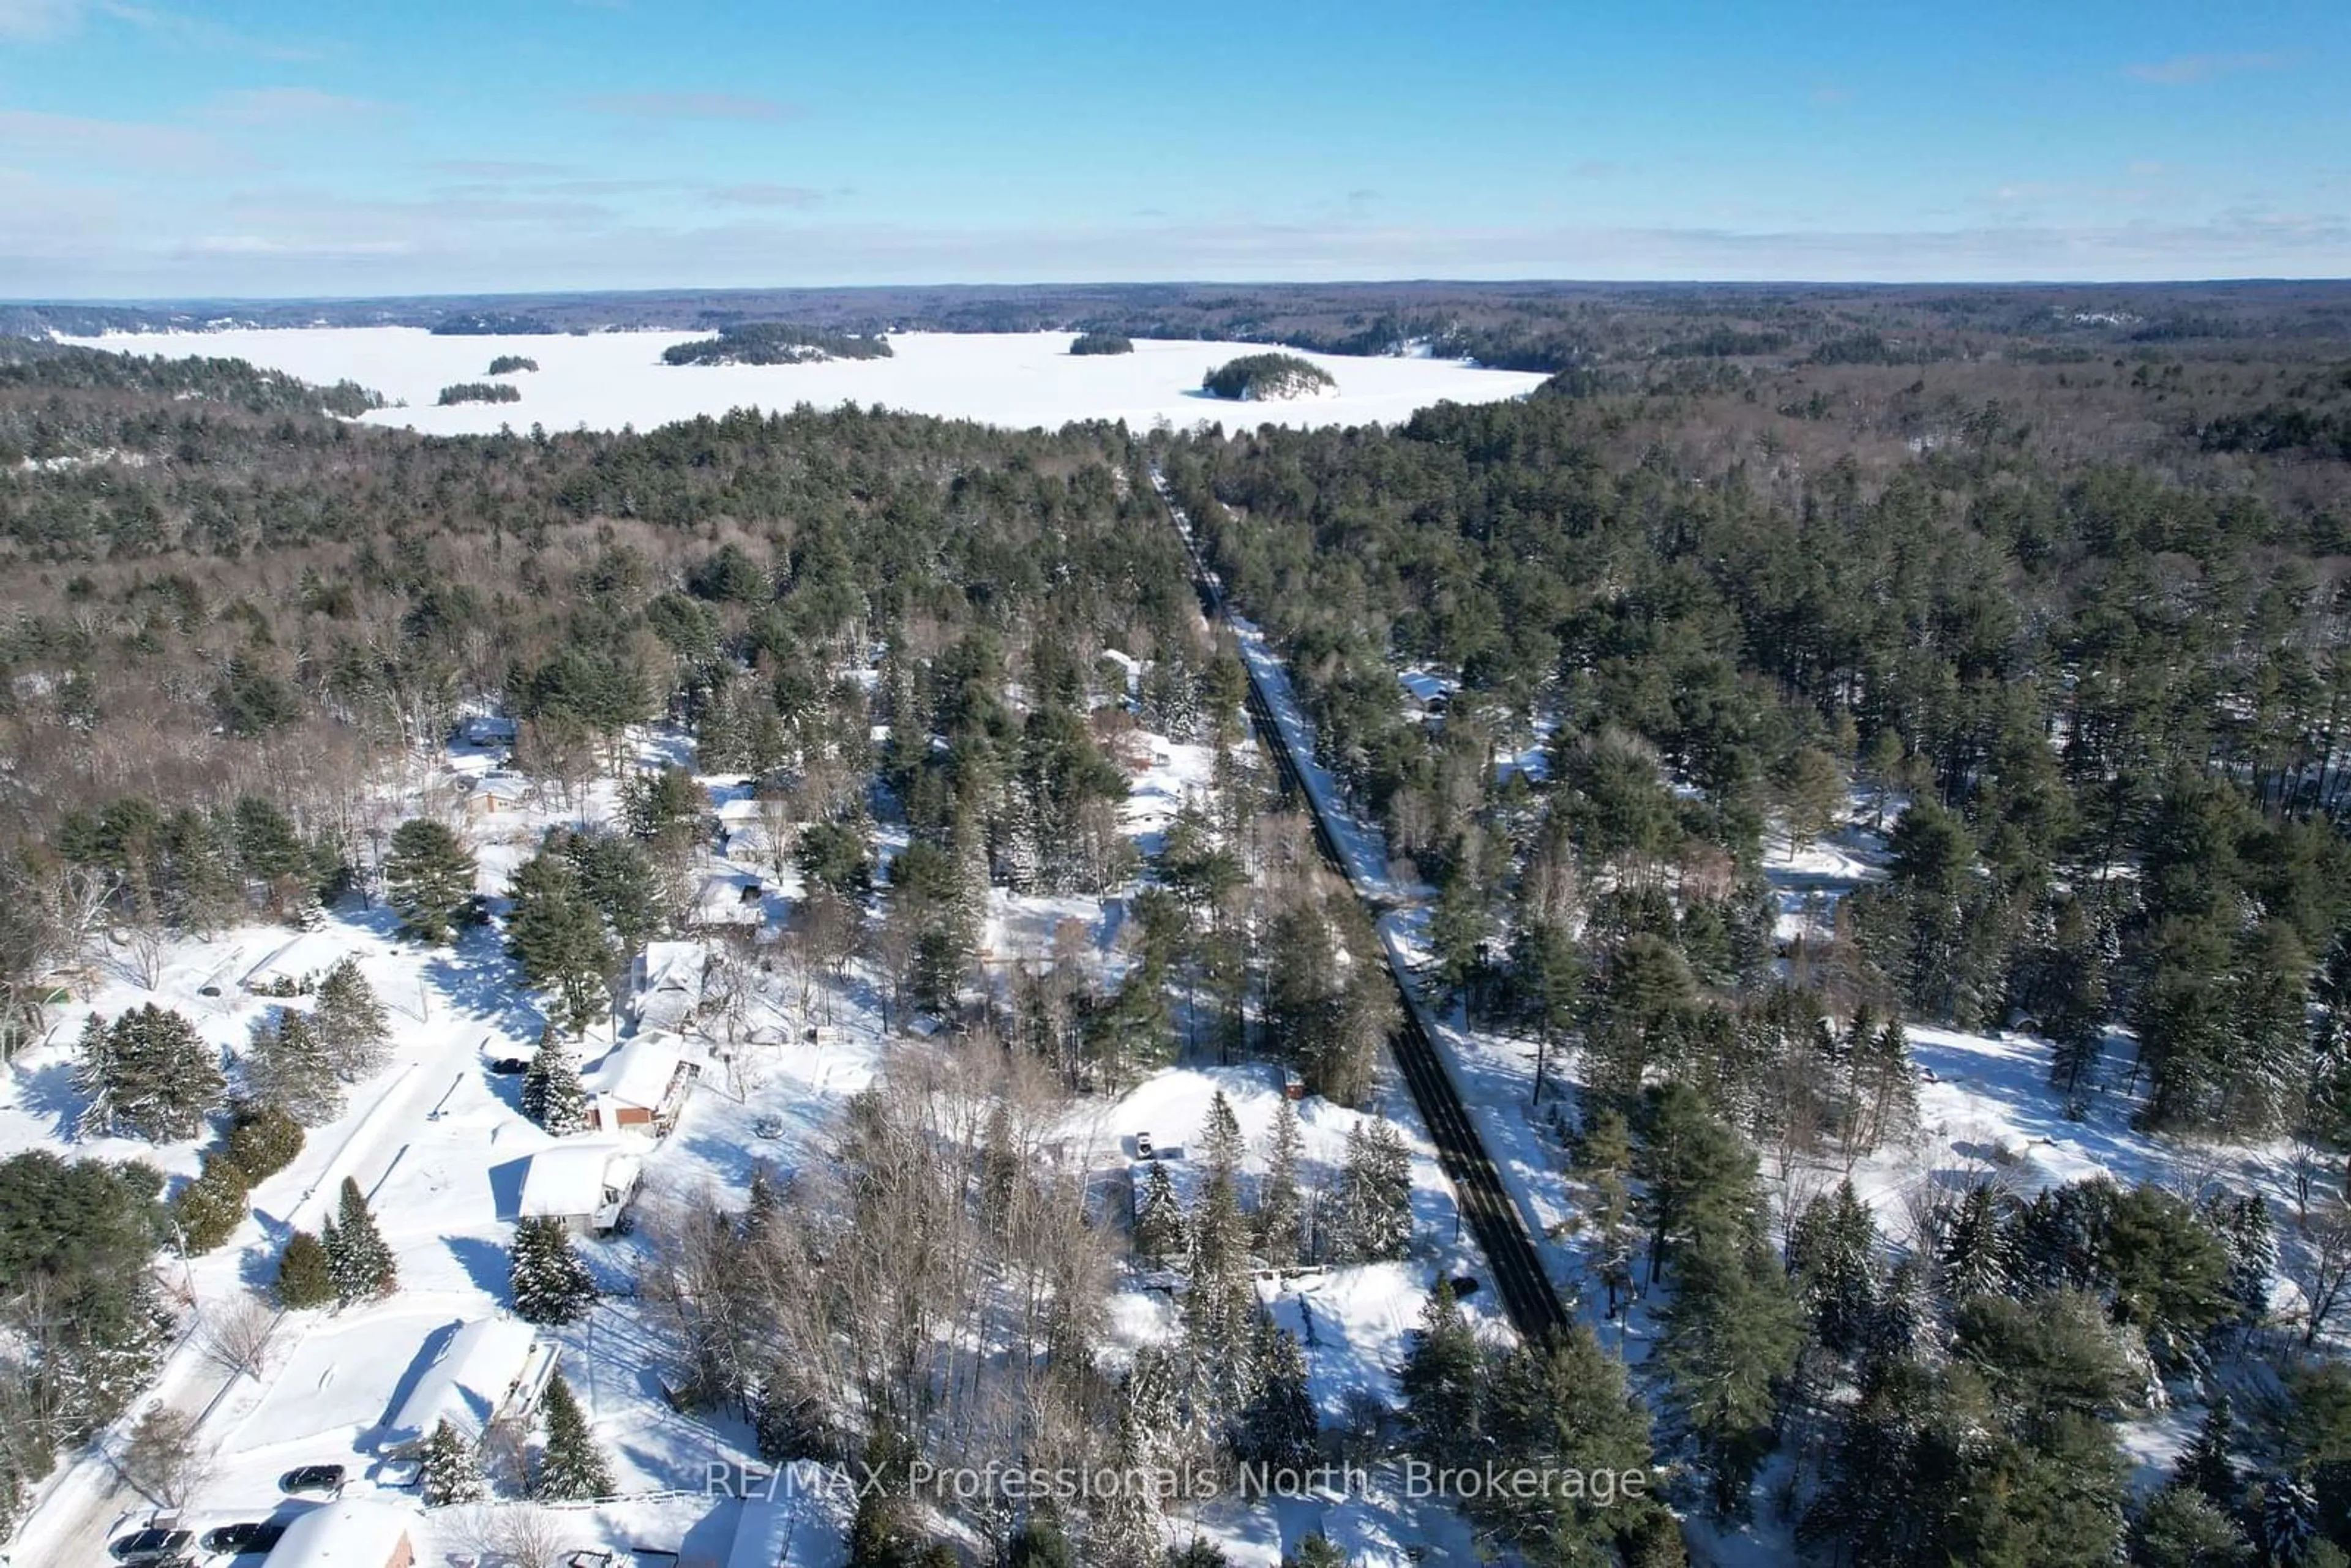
x: 721, y: 900
x: 743, y: 809
x: 350, y: 1532
x: 672, y: 987
x: 471, y: 1380
x: 638, y: 1070
x: 572, y: 1179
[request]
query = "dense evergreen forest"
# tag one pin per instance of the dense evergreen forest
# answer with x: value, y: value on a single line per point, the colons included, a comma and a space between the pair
x: 2052, y: 585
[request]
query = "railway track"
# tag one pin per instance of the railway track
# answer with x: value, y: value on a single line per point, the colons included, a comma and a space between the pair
x: 1526, y: 1290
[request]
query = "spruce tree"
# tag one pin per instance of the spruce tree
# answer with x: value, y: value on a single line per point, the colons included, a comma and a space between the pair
x: 1280, y: 1209
x: 1280, y: 1426
x: 429, y: 876
x: 571, y: 1465
x: 1161, y: 1234
x: 1974, y: 1250
x: 1372, y: 1219
x: 351, y: 1022
x: 1832, y: 1260
x: 2208, y: 1466
x: 449, y: 1469
x: 148, y: 1074
x: 305, y: 1276
x: 550, y: 1281
x: 363, y: 1265
x: 551, y: 1092
x: 287, y: 1066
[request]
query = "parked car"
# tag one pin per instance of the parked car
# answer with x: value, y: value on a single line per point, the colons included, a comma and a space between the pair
x: 254, y: 1536
x: 312, y: 1477
x: 1143, y: 1145
x: 769, y: 1126
x: 507, y: 1066
x: 149, y: 1547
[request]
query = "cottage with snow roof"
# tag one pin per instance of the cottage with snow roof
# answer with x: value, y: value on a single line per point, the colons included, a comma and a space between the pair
x: 484, y: 1372
x: 586, y: 1184
x: 642, y: 1083
x: 349, y: 1533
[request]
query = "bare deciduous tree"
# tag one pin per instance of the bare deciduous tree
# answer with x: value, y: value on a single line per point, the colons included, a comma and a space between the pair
x: 237, y: 1335
x: 2322, y: 1267
x: 163, y: 1461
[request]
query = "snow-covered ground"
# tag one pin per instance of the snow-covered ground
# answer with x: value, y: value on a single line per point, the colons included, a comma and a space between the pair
x: 604, y: 381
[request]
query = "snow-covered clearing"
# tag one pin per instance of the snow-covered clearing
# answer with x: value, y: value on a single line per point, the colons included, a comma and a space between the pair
x: 604, y: 381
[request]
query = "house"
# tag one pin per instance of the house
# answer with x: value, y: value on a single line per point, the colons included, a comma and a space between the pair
x: 496, y: 792
x: 668, y: 984
x: 585, y: 1185
x: 485, y: 729
x: 729, y: 898
x: 488, y: 1371
x: 641, y: 1082
x: 349, y: 1533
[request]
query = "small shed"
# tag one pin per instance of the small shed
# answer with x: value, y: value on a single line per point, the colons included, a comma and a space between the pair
x: 484, y: 1372
x: 587, y: 1186
x: 497, y: 792
x: 642, y: 1082
x: 349, y: 1533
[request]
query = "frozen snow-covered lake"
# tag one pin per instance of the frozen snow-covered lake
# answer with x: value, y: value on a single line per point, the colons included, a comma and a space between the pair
x: 609, y: 379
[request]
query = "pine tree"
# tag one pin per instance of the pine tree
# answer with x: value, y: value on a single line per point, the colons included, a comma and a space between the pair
x: 571, y: 1465
x: 1604, y: 1160
x: 1373, y: 1218
x: 1562, y: 1407
x: 148, y: 1074
x: 550, y: 1281
x: 363, y: 1265
x: 1316, y: 1550
x: 263, y: 1140
x: 287, y: 1065
x: 351, y: 1022
x: 1160, y: 1232
x: 551, y: 1092
x: 449, y: 1469
x: 1731, y: 1334
x: 305, y: 1276
x: 558, y: 938
x: 2182, y: 1528
x: 429, y: 876
x: 1280, y: 1209
x: 1280, y: 1426
x: 1442, y: 1380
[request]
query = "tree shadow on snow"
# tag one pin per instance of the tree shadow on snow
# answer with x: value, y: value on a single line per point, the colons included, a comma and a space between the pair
x: 485, y: 1263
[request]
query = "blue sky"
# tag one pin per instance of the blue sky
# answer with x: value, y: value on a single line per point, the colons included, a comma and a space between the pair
x: 181, y: 148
